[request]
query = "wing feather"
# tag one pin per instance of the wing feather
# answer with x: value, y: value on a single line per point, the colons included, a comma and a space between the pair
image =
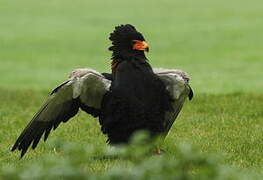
x: 84, y: 89
x: 176, y: 82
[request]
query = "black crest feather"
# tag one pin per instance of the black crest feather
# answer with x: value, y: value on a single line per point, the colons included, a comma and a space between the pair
x: 124, y: 34
x: 122, y: 38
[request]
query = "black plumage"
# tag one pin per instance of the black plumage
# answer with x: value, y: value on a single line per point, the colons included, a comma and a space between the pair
x: 137, y: 99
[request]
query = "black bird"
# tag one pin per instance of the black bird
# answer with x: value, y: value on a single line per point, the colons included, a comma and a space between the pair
x: 132, y: 97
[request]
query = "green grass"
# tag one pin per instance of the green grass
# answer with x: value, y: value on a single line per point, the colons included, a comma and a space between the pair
x: 218, y: 43
x: 222, y: 123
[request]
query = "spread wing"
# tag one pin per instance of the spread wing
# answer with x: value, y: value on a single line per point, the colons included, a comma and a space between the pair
x: 176, y: 82
x: 84, y: 89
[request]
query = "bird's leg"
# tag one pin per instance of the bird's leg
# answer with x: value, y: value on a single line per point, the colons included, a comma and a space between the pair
x: 158, y: 144
x: 158, y: 150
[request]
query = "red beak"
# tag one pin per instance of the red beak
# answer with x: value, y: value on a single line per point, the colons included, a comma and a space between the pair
x: 140, y: 45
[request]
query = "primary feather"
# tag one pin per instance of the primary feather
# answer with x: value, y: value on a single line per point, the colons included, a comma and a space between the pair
x: 84, y: 90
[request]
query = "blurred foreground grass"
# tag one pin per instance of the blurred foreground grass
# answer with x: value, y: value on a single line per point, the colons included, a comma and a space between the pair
x: 69, y: 161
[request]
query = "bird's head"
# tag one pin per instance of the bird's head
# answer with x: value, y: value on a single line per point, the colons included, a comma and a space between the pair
x: 127, y: 41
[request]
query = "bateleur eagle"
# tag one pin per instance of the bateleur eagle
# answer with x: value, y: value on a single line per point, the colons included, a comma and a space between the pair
x: 132, y: 97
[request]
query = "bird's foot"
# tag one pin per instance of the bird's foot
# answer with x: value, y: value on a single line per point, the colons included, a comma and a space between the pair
x: 159, y: 150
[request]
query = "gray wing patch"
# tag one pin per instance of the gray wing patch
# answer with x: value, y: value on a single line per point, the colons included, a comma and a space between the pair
x: 176, y: 82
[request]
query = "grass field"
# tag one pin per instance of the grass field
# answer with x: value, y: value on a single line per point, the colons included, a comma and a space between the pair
x: 218, y: 43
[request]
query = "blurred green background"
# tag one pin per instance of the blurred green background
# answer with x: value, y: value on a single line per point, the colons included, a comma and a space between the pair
x: 219, y: 43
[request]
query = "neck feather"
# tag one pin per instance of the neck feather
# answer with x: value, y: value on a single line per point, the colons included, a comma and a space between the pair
x: 122, y: 55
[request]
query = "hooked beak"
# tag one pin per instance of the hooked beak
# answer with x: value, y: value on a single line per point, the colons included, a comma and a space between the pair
x: 140, y: 45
